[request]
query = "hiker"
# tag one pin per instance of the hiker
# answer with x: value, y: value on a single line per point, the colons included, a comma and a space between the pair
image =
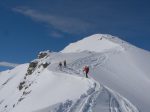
x: 64, y: 63
x: 60, y: 65
x: 86, y: 70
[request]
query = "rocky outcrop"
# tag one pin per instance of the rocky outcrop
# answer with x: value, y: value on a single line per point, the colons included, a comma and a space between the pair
x: 43, y: 54
x: 32, y: 67
x: 45, y: 64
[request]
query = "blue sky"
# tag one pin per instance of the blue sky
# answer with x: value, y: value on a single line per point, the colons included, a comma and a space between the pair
x: 29, y: 26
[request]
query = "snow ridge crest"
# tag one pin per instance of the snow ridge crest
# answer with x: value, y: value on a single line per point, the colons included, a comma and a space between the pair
x: 95, y: 43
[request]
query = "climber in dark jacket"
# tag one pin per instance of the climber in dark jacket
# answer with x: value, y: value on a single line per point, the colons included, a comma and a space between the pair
x: 60, y: 65
x: 65, y: 63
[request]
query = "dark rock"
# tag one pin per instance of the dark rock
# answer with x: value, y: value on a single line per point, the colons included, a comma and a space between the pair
x: 29, y: 84
x: 42, y: 55
x: 29, y: 71
x: 25, y: 77
x: 26, y: 87
x: 33, y: 64
x: 26, y: 93
x: 21, y: 85
x: 32, y: 67
x: 20, y: 99
x: 45, y: 65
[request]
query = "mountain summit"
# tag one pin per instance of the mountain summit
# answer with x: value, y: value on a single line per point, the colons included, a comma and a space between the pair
x: 118, y: 80
x: 96, y: 43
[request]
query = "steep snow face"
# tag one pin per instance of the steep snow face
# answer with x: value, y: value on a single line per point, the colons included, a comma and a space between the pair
x: 9, y: 81
x: 24, y: 92
x: 53, y: 88
x: 96, y: 43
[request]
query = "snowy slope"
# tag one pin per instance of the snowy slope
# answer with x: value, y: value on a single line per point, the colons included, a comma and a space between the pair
x: 119, y: 74
x: 125, y: 71
x: 59, y: 91
x: 40, y: 89
x: 96, y: 43
x: 53, y: 88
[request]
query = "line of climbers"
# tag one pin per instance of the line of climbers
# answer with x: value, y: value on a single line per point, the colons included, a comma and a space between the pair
x: 64, y: 64
x: 85, y: 68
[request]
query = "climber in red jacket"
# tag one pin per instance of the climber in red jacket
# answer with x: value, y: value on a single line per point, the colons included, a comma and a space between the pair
x: 86, y: 70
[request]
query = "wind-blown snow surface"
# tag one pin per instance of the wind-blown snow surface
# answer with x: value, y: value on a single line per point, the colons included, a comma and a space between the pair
x: 119, y: 79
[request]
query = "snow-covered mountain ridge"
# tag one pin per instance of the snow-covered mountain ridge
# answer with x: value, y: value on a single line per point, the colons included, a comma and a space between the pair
x: 119, y: 73
x: 96, y: 43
